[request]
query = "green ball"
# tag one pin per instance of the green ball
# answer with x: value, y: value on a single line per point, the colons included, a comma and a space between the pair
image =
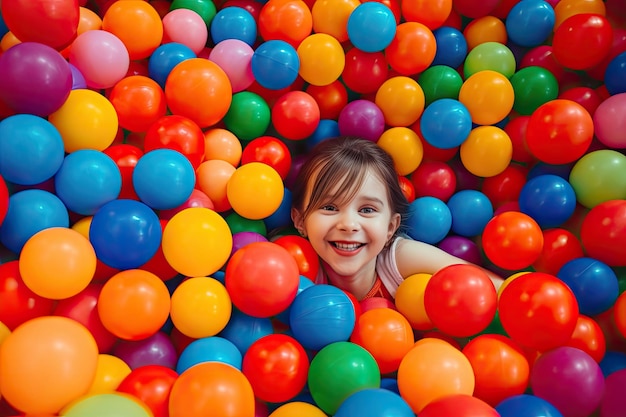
x: 205, y: 8
x: 599, y: 176
x: 440, y: 81
x: 249, y: 115
x: 492, y: 56
x: 339, y: 370
x: 237, y: 223
x: 533, y: 86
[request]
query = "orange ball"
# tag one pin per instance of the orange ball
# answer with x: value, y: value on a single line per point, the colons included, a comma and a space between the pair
x: 485, y: 29
x: 222, y: 144
x: 286, y: 20
x: 488, y: 95
x: 412, y: 50
x: 432, y: 13
x: 199, y: 89
x: 139, y: 102
x: 401, y: 99
x: 331, y: 17
x: 134, y: 304
x: 212, y: 177
x: 137, y: 24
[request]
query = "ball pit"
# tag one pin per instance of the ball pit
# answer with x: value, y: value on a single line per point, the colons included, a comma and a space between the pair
x: 148, y: 261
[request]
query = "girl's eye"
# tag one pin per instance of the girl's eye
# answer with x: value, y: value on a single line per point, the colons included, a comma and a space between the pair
x: 328, y: 207
x: 368, y: 210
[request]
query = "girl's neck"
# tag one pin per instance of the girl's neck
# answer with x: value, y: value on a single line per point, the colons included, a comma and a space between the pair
x: 358, y: 285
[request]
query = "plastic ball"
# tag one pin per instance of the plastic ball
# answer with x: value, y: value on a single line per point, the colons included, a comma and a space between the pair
x: 165, y: 58
x: 582, y: 41
x: 538, y: 311
x: 597, y: 177
x: 331, y: 99
x: 295, y: 115
x: 251, y: 108
x: 110, y: 371
x: 197, y: 242
x: 255, y: 190
x: 532, y: 87
x: 451, y: 47
x: 362, y: 118
x: 594, y: 284
x: 512, y: 240
x: 446, y: 123
x: 86, y: 120
x: 371, y: 26
x: 47, y: 349
x: 405, y: 148
x: 297, y: 408
x: 277, y: 367
x: 470, y: 210
x: 211, y: 388
x: 275, y: 64
x: 429, y: 220
x: 34, y: 79
x: 490, y: 56
x: 209, y: 349
x: 488, y: 96
x: 386, y: 334
x: 279, y: 284
x: 32, y: 149
x: 401, y: 99
x: 339, y: 370
x: 435, y: 179
x: 529, y: 24
x: 461, y: 247
x: 199, y: 89
x: 440, y: 81
x: 222, y: 144
x: 137, y: 24
x: 201, y: 307
x: 613, y: 75
x: 601, y: 232
x: 322, y: 59
x: 453, y: 404
x: 374, y: 402
x: 500, y: 366
x: 157, y: 349
x: 607, y: 121
x: 289, y: 21
x: 560, y: 247
x: 485, y: 29
x: 529, y: 405
x: 125, y: 233
x: 451, y: 373
x: 243, y: 330
x: 234, y: 57
x: 548, y: 199
x: 364, y: 72
x: 460, y: 300
x: 29, y: 212
x: 613, y: 401
x: 187, y: 27
x: 332, y: 17
x: 569, y: 379
x: 151, y: 384
x: 139, y: 101
x: 304, y: 254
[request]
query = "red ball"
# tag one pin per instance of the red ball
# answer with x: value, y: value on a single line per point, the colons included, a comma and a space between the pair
x: 458, y: 405
x: 277, y: 367
x: 4, y: 199
x: 407, y: 188
x: 364, y: 72
x: 178, y: 133
x: 460, y: 300
x: 582, y: 41
x: 331, y: 98
x: 516, y: 129
x: 304, y: 254
x: 434, y: 179
x: 262, y: 279
x: 125, y: 157
x: 270, y: 151
x: 538, y: 311
x: 151, y: 384
x: 505, y: 186
x: 560, y: 246
x: 603, y: 232
x: 295, y: 115
x: 512, y: 240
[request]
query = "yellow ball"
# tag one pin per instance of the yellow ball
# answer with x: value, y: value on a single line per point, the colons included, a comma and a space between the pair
x: 201, y: 307
x: 255, y: 190
x: 197, y: 242
x: 110, y: 372
x: 322, y: 59
x: 87, y: 120
x: 410, y: 301
x: 404, y: 146
x: 488, y: 96
x: 401, y: 99
x: 487, y: 151
x: 297, y: 409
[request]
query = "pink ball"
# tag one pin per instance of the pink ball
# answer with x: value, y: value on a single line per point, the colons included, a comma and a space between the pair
x: 234, y: 56
x: 609, y: 121
x: 614, y: 402
x: 187, y: 27
x: 101, y: 57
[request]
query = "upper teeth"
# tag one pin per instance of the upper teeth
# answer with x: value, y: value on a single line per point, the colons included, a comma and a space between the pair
x: 347, y: 246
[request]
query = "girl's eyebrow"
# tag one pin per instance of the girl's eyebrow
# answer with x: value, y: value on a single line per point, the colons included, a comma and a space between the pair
x: 373, y: 199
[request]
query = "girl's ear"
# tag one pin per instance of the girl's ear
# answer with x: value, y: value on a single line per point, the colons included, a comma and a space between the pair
x: 298, y: 221
x: 394, y: 224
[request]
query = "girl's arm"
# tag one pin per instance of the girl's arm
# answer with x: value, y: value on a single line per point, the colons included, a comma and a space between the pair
x: 413, y: 257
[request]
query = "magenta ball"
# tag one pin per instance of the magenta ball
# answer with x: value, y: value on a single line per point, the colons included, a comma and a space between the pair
x: 461, y: 247
x: 570, y: 379
x: 614, y: 401
x: 157, y: 349
x: 242, y: 239
x: 34, y: 79
x: 362, y: 118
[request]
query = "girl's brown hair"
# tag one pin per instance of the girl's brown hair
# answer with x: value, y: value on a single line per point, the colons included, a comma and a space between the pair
x: 340, y: 164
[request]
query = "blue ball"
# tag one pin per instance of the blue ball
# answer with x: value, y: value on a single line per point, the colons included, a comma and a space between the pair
x: 615, y: 75
x: 302, y: 285
x: 163, y: 178
x: 446, y: 123
x: 234, y: 23
x: 282, y: 216
x: 125, y: 234
x: 451, y: 47
x: 243, y: 330
x: 320, y: 315
x: 549, y: 199
x: 374, y: 402
x: 165, y: 58
x: 31, y: 149
x: 471, y: 211
x: 530, y: 22
x: 326, y: 129
x: 31, y: 211
x: 525, y: 405
x: 87, y: 180
x: 275, y: 64
x: 429, y: 220
x: 542, y: 168
x: 209, y: 349
x: 593, y: 282
x: 612, y: 361
x: 371, y: 26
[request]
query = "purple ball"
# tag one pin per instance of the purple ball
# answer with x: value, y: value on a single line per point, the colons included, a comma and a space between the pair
x: 362, y: 118
x: 78, y: 79
x: 570, y: 379
x: 241, y: 239
x: 157, y: 349
x: 34, y: 79
x: 461, y: 247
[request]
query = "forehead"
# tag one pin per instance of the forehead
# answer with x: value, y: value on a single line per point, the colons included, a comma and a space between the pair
x: 347, y: 186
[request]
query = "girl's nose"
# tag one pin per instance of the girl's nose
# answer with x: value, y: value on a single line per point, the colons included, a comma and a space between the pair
x: 348, y: 221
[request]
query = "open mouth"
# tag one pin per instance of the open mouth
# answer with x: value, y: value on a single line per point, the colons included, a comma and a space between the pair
x: 347, y: 246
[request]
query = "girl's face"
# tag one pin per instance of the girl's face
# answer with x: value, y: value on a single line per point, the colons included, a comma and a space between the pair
x: 348, y: 235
